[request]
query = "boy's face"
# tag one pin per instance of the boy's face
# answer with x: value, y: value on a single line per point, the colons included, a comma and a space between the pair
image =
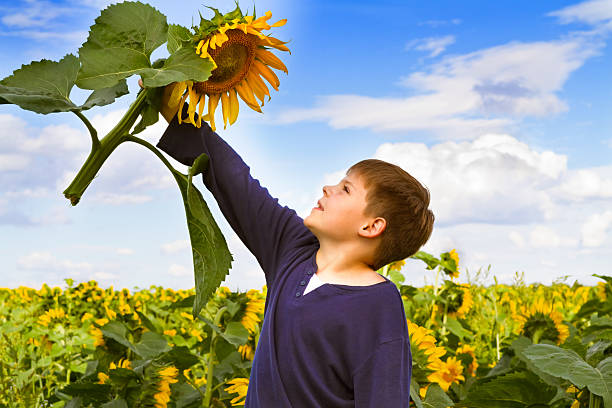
x: 342, y: 215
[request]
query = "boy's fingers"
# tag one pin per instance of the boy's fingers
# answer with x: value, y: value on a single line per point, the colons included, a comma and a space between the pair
x: 140, y: 82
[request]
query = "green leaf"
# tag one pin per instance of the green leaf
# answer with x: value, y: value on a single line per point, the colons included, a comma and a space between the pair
x: 597, y: 352
x: 117, y: 331
x: 519, y: 346
x: 150, y: 323
x: 118, y: 403
x: 120, y: 44
x: 570, y: 366
x: 89, y: 392
x: 150, y: 112
x: 430, y: 260
x: 437, y: 398
x: 178, y: 36
x: 520, y: 389
x: 151, y: 345
x: 414, y: 393
x: 42, y: 86
x: 183, y: 65
x: 106, y: 96
x: 455, y: 327
x: 605, y: 368
x: 211, y: 256
x: 180, y: 357
x: 236, y: 334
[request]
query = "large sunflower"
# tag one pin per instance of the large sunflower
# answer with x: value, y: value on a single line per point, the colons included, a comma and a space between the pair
x: 541, y: 322
x: 240, y: 55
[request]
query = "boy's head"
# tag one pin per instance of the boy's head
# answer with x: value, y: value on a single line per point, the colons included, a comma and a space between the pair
x: 380, y: 202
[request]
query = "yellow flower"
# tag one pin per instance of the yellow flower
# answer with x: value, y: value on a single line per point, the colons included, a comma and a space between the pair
x: 51, y: 315
x: 447, y: 373
x: 98, y: 336
x: 86, y: 316
x: 251, y: 319
x: 397, y: 265
x: 467, y: 349
x: 167, y: 376
x: 455, y: 257
x: 196, y: 333
x: 102, y: 378
x: 237, y: 51
x: 540, y: 321
x: 188, y: 316
x: 423, y: 342
x: 466, y: 303
x: 123, y: 363
x: 246, y: 351
x: 170, y: 332
x: 239, y: 386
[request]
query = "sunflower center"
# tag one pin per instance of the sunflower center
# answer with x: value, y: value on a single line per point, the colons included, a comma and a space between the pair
x: 233, y: 60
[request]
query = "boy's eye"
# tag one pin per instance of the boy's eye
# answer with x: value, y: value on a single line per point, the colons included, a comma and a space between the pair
x: 345, y: 188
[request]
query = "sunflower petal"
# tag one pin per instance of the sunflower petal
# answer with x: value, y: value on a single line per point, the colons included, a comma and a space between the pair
x: 234, y: 106
x: 270, y: 59
x: 258, y: 86
x: 193, y: 103
x: 279, y: 23
x: 245, y: 92
x: 201, y: 109
x: 213, y: 100
x: 225, y: 108
x: 267, y: 73
x: 178, y: 88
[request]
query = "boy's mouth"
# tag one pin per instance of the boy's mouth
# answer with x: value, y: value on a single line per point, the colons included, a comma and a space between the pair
x: 319, y: 206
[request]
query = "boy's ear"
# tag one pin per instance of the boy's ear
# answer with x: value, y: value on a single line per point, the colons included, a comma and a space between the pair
x: 374, y: 228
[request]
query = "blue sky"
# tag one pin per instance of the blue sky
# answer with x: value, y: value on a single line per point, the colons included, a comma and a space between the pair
x: 502, y: 109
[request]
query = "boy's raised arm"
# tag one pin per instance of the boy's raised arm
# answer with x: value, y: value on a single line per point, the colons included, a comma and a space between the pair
x: 263, y: 225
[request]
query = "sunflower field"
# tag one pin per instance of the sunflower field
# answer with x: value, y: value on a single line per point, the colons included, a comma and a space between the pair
x: 472, y: 345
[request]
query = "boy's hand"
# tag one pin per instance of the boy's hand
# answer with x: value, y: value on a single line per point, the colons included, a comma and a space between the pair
x: 165, y: 109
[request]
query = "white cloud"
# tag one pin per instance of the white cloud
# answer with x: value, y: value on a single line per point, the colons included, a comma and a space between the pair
x: 120, y: 199
x: 76, y: 37
x: 54, y: 138
x: 464, y: 96
x: 495, y: 178
x: 435, y: 45
x: 179, y: 270
x: 125, y: 251
x: 105, y: 276
x: 28, y: 192
x: 175, y: 246
x: 594, y: 230
x: 545, y: 237
x: 12, y: 162
x: 45, y: 261
x: 34, y: 13
x: 594, y: 12
x: 438, y: 23
x: 517, y: 239
x: 585, y: 184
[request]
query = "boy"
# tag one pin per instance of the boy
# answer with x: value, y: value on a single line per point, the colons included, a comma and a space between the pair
x: 334, y: 333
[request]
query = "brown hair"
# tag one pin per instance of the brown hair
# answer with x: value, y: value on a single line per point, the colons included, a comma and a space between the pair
x: 402, y: 201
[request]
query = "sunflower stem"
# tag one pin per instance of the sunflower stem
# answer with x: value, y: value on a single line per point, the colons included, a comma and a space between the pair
x: 433, y: 302
x: 95, y: 142
x: 211, y: 357
x: 107, y: 145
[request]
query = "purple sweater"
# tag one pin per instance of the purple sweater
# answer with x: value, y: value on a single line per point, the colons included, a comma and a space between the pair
x: 337, y: 346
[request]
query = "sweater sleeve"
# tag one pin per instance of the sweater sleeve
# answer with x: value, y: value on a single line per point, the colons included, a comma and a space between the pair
x: 266, y: 228
x: 383, y: 380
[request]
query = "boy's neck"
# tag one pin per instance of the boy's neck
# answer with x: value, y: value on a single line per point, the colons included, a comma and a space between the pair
x: 337, y: 267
